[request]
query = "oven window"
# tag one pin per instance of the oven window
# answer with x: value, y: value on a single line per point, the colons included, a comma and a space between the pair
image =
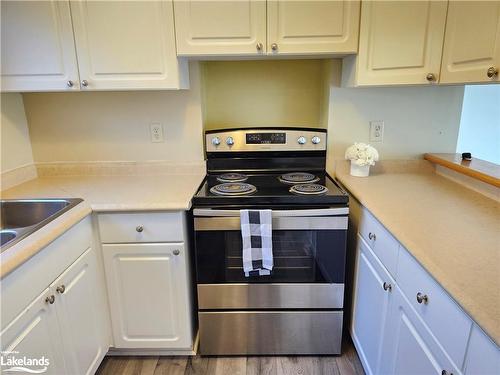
x: 306, y: 256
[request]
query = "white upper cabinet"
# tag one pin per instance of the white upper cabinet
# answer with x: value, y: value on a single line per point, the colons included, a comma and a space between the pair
x: 400, y: 42
x: 126, y: 45
x: 220, y: 27
x: 316, y: 27
x: 472, y: 42
x: 37, y: 48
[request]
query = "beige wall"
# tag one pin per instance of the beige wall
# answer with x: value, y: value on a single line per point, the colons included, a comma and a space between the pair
x: 263, y: 93
x: 15, y: 140
x: 114, y: 126
x: 417, y: 119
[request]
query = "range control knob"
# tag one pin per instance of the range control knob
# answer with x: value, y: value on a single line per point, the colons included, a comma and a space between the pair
x: 216, y: 141
x: 302, y: 140
x: 229, y: 141
x: 315, y: 140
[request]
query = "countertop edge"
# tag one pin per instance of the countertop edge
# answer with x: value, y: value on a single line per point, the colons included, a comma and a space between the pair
x: 487, y: 327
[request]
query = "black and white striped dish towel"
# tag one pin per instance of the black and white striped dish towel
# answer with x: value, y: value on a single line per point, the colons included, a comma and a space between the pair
x: 256, y: 232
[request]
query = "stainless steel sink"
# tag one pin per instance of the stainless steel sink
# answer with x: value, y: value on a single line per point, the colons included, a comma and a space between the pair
x: 21, y: 217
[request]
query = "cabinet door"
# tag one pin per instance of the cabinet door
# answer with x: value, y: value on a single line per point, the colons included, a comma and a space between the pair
x: 400, y: 42
x: 37, y: 47
x: 302, y: 27
x: 409, y: 346
x: 81, y: 321
x: 148, y: 295
x: 220, y: 27
x: 371, y: 303
x: 483, y: 356
x: 134, y: 51
x: 472, y: 42
x: 35, y: 334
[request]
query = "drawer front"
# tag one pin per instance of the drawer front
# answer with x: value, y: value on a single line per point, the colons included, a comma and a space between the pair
x: 141, y: 227
x: 270, y: 332
x: 449, y: 324
x: 380, y: 241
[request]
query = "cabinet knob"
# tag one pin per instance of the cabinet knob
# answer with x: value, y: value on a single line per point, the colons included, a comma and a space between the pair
x: 431, y: 77
x: 259, y: 46
x: 50, y: 299
x: 274, y: 47
x: 372, y: 236
x: 422, y: 298
x: 69, y: 83
x: 387, y: 286
x: 139, y: 228
x: 61, y: 289
x: 85, y: 83
x: 492, y: 72
x: 176, y: 252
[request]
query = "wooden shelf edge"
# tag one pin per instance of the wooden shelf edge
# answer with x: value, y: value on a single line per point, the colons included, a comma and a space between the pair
x: 464, y: 169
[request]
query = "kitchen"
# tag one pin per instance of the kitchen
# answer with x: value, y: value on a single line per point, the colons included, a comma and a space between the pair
x: 139, y: 109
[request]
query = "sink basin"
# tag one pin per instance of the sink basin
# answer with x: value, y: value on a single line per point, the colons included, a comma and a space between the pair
x: 6, y: 236
x: 20, y: 218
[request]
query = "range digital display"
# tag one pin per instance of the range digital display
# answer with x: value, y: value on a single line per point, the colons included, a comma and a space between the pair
x: 265, y: 138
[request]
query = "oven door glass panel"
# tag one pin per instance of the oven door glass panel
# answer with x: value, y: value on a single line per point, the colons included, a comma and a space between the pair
x: 300, y: 256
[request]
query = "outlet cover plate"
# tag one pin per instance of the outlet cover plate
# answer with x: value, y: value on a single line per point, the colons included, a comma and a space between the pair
x: 376, y: 131
x: 156, y: 131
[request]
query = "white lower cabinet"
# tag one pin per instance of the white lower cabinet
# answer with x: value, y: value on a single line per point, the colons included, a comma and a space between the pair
x: 63, y: 324
x: 373, y: 293
x: 78, y: 315
x: 408, y: 324
x: 35, y: 334
x: 409, y: 346
x: 149, y: 292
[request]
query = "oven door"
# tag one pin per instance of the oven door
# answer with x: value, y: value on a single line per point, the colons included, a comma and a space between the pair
x: 309, y: 250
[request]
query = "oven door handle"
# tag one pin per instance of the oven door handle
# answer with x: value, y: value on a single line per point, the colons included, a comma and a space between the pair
x: 209, y: 212
x: 279, y: 223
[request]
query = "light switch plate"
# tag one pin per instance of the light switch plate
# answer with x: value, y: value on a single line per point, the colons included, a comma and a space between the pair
x: 156, y: 130
x: 376, y: 131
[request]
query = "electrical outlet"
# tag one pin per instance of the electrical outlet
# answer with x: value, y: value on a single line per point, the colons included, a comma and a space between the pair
x: 376, y: 131
x: 156, y: 131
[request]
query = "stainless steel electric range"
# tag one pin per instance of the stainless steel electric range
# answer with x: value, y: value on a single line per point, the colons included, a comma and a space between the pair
x: 298, y: 309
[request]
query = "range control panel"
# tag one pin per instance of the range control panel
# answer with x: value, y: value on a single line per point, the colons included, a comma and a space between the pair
x: 266, y: 140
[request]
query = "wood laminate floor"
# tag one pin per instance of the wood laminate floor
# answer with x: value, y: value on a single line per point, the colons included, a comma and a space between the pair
x: 346, y: 364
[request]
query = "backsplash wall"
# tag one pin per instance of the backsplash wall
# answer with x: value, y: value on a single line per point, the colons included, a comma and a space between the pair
x: 263, y: 93
x: 114, y: 126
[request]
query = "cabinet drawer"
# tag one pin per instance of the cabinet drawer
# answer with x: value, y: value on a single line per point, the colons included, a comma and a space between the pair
x: 449, y: 324
x: 380, y: 241
x: 141, y: 227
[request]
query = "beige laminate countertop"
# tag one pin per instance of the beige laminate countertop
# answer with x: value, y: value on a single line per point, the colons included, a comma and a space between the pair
x: 100, y: 194
x: 451, y: 230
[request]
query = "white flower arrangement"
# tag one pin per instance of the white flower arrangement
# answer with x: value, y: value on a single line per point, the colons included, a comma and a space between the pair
x: 361, y: 154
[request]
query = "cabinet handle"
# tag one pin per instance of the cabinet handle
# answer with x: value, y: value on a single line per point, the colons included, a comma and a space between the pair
x: 492, y: 72
x: 259, y: 46
x: 274, y: 47
x: 372, y: 236
x: 430, y: 77
x: 50, y: 299
x: 61, y: 289
x: 139, y: 228
x: 387, y: 286
x: 85, y: 83
x: 176, y: 252
x: 69, y: 83
x: 422, y: 298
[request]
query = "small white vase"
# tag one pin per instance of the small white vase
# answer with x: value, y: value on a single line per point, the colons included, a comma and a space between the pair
x: 359, y: 170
